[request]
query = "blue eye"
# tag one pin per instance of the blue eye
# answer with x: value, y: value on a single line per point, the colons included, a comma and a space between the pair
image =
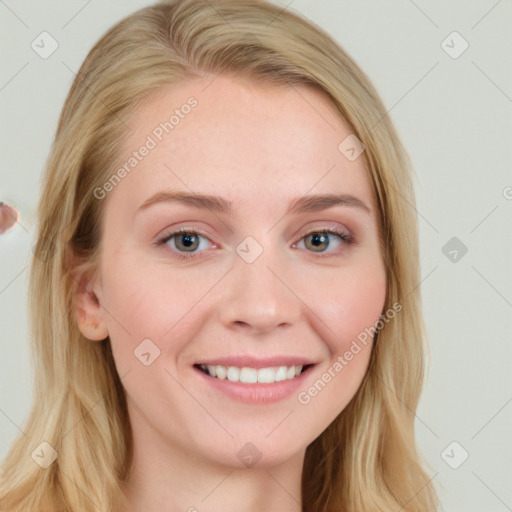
x: 186, y: 242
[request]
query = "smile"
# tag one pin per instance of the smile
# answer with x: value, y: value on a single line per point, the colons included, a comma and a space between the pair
x: 247, y: 375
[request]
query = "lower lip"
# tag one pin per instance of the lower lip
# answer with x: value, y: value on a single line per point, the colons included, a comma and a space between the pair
x: 256, y: 393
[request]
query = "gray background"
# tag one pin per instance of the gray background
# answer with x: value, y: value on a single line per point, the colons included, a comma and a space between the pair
x: 454, y: 116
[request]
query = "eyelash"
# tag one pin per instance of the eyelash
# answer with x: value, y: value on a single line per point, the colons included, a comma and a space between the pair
x: 344, y: 237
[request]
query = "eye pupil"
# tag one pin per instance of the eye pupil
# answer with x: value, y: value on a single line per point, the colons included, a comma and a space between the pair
x: 318, y: 239
x: 188, y: 240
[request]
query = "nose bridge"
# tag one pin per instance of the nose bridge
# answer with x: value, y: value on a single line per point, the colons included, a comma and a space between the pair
x: 256, y: 295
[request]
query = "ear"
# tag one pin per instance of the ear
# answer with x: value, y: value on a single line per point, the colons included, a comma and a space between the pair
x: 88, y: 310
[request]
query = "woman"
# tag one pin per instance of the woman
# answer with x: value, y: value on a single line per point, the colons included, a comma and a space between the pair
x: 224, y: 294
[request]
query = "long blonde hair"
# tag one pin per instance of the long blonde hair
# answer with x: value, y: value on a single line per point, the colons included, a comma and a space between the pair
x: 367, y: 459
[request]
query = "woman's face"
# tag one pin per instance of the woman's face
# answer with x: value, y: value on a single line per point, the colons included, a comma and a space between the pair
x: 255, y: 278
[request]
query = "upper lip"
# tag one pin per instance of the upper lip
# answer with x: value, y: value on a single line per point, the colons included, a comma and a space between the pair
x: 256, y: 362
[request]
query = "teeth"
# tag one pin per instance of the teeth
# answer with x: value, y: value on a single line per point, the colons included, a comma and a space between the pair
x: 248, y: 375
x: 233, y: 374
x: 281, y: 373
x: 218, y: 371
x: 266, y: 375
x: 253, y: 375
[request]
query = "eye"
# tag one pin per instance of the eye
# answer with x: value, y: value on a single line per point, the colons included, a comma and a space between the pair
x: 184, y: 241
x: 318, y: 240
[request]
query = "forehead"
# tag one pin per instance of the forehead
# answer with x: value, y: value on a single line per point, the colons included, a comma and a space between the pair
x: 242, y: 140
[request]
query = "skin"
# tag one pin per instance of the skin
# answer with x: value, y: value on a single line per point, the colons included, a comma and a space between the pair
x: 260, y: 148
x: 9, y: 217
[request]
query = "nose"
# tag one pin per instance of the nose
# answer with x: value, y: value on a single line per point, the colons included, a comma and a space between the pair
x: 258, y: 297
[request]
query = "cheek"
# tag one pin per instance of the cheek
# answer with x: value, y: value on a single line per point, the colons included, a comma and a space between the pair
x: 351, y: 309
x: 351, y: 303
x: 144, y: 301
x: 350, y: 306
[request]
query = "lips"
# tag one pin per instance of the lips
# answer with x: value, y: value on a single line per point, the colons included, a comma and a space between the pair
x: 265, y: 384
x: 252, y: 370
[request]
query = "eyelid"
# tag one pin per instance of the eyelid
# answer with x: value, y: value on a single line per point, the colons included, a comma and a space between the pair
x: 329, y: 227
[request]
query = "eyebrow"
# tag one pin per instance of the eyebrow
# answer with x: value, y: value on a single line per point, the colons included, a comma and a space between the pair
x: 304, y: 204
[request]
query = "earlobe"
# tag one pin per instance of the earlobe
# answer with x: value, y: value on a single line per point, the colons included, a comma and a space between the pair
x: 89, y: 312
